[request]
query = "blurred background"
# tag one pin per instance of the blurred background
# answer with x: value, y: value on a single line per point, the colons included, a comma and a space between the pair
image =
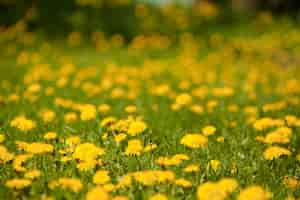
x: 130, y: 18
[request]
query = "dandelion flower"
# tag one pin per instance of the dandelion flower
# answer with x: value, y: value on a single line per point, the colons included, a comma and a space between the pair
x: 136, y: 128
x: 274, y: 152
x: 254, y: 193
x: 194, y: 140
x: 101, y: 177
x: 135, y: 147
x: 18, y: 183
x: 97, y: 193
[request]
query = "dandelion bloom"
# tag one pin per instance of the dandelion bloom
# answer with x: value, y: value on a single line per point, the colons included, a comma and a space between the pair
x: 101, y: 177
x: 214, y: 164
x: 136, y: 128
x: 5, y: 155
x: 210, y: 191
x: 274, y: 152
x: 72, y: 184
x: 183, y: 183
x: 23, y: 124
x: 97, y: 193
x: 191, y: 168
x: 254, y: 193
x: 209, y: 130
x: 18, y: 183
x: 158, y: 197
x: 33, y: 174
x: 2, y: 138
x: 135, y: 147
x: 103, y: 108
x: 217, y: 190
x: 194, y: 140
x: 38, y: 148
x: 19, y: 160
x: 50, y: 136
x: 48, y: 116
x: 87, y: 112
x: 87, y: 151
x: 183, y: 99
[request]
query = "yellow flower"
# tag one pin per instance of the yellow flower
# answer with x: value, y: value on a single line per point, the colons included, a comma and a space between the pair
x: 274, y: 106
x: 281, y: 135
x: 124, y: 181
x: 208, y: 130
x: 223, y: 92
x: 48, y: 116
x: 191, y: 168
x: 72, y: 140
x: 173, y: 160
x: 228, y: 185
x: 70, y: 117
x: 214, y: 164
x: 38, y: 148
x: 19, y: 160
x: 50, y: 135
x: 34, y: 88
x: 87, y: 151
x: 183, y: 99
x: 151, y: 177
x: 183, y: 183
x: 97, y: 193
x: 103, y: 108
x: 254, y: 192
x: 275, y: 152
x: 220, y: 139
x: 32, y: 174
x: 120, y: 198
x: 87, y: 112
x: 211, y: 104
x: 120, y: 137
x: 108, y: 121
x: 2, y: 138
x: 18, y: 183
x: 165, y: 161
x: 265, y: 123
x: 23, y: 123
x: 210, y: 191
x: 86, y: 164
x: 104, y: 136
x: 291, y: 120
x: 109, y: 187
x: 181, y: 156
x: 135, y: 147
x: 101, y: 177
x: 150, y: 147
x: 136, y: 127
x: 130, y: 109
x: 5, y: 155
x: 158, y: 197
x: 298, y: 157
x: 197, y: 109
x: 194, y: 140
x: 72, y: 184
x: 217, y: 190
x: 291, y: 183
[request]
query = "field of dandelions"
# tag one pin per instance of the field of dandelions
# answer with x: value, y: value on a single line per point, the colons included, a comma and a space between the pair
x: 207, y: 118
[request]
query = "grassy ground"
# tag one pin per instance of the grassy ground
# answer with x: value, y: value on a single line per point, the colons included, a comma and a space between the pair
x: 230, y: 81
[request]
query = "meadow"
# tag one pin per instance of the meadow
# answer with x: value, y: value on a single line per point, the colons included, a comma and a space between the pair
x: 207, y: 117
